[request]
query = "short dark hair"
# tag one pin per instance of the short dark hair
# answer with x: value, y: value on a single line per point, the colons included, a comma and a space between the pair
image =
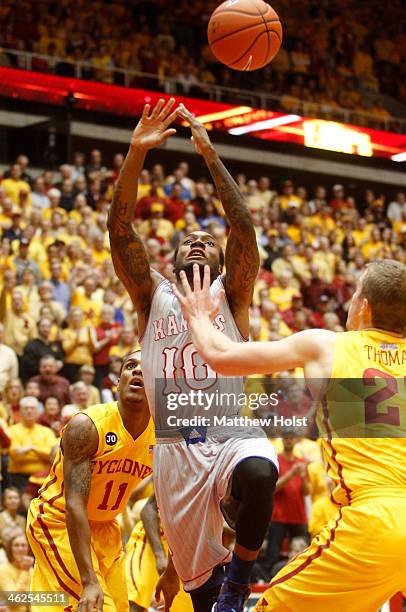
x: 384, y: 286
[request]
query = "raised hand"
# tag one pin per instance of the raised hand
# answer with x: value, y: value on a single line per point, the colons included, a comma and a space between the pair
x: 200, y: 137
x: 199, y: 302
x: 153, y: 127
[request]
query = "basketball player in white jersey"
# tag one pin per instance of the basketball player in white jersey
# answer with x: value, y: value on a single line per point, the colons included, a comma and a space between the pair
x: 197, y: 474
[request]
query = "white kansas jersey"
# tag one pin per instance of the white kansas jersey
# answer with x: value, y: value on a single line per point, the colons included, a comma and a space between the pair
x: 172, y: 367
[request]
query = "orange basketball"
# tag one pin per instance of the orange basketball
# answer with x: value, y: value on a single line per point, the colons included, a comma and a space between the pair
x: 244, y: 34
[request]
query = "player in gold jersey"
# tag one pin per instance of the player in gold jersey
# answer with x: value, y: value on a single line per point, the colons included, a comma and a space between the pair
x: 105, y: 452
x: 357, y: 562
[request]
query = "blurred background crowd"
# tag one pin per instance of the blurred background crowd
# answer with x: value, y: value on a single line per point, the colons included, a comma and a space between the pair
x: 67, y: 321
x: 336, y: 55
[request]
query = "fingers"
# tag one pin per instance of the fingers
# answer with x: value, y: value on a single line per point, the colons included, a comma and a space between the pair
x: 196, y: 279
x: 178, y: 294
x: 145, y: 112
x: 167, y: 108
x: 157, y: 109
x: 171, y: 118
x: 206, y: 280
x: 167, y: 133
x: 184, y: 113
x: 185, y: 284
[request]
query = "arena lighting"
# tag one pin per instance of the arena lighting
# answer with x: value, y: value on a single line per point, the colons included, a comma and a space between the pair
x: 226, y: 114
x: 332, y: 136
x: 268, y: 124
x: 114, y: 99
x: 399, y: 157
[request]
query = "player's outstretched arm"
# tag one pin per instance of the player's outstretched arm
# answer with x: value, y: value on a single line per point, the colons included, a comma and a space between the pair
x: 236, y: 359
x: 79, y: 444
x: 242, y: 257
x: 127, y: 249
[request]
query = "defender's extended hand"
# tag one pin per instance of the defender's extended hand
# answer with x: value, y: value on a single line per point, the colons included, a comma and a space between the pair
x: 198, y: 303
x: 152, y: 129
x: 200, y: 137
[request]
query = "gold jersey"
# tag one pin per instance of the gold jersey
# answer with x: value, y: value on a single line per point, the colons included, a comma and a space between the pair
x: 363, y: 418
x: 118, y: 465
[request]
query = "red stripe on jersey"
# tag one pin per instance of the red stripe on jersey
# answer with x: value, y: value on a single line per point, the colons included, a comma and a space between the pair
x: 312, y: 557
x: 54, y: 548
x: 59, y: 579
x: 334, y: 454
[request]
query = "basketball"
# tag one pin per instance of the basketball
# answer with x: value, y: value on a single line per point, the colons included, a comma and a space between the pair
x: 244, y: 34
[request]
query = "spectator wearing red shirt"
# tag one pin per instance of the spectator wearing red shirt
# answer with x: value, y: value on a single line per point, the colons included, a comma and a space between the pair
x: 51, y: 417
x: 297, y: 306
x: 143, y: 208
x: 338, y: 202
x: 289, y: 514
x: 316, y: 318
x: 49, y: 381
x: 175, y: 207
x: 106, y: 336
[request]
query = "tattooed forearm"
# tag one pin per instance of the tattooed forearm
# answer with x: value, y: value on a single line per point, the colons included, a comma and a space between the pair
x: 79, y: 479
x: 129, y: 256
x: 242, y: 257
x: 231, y: 197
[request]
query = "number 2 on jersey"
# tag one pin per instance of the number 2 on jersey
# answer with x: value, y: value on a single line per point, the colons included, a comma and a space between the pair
x: 390, y: 390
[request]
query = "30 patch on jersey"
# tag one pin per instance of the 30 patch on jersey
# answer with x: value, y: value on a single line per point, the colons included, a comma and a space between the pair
x: 111, y: 438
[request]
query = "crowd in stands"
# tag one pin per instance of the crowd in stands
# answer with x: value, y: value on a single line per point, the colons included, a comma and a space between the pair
x: 67, y: 321
x: 338, y: 55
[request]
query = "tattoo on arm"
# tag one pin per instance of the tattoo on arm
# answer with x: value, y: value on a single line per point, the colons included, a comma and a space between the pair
x: 128, y: 253
x: 242, y: 257
x: 79, y: 445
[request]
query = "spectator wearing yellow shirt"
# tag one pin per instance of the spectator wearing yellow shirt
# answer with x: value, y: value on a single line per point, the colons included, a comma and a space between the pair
x: 161, y: 227
x: 323, y: 510
x: 127, y: 341
x: 85, y: 300
x: 45, y: 299
x: 373, y: 248
x: 86, y: 375
x: 317, y: 473
x: 9, y: 517
x: 361, y: 232
x: 19, y: 326
x: 31, y: 445
x: 288, y: 197
x: 144, y: 185
x: 16, y: 573
x: 29, y: 290
x: 99, y: 253
x: 14, y: 185
x: 78, y: 344
x: 54, y: 196
x: 281, y: 294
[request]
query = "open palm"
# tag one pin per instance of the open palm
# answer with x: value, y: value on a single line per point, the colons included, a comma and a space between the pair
x: 153, y: 127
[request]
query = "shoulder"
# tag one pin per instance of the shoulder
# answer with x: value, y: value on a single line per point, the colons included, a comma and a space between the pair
x: 80, y: 437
